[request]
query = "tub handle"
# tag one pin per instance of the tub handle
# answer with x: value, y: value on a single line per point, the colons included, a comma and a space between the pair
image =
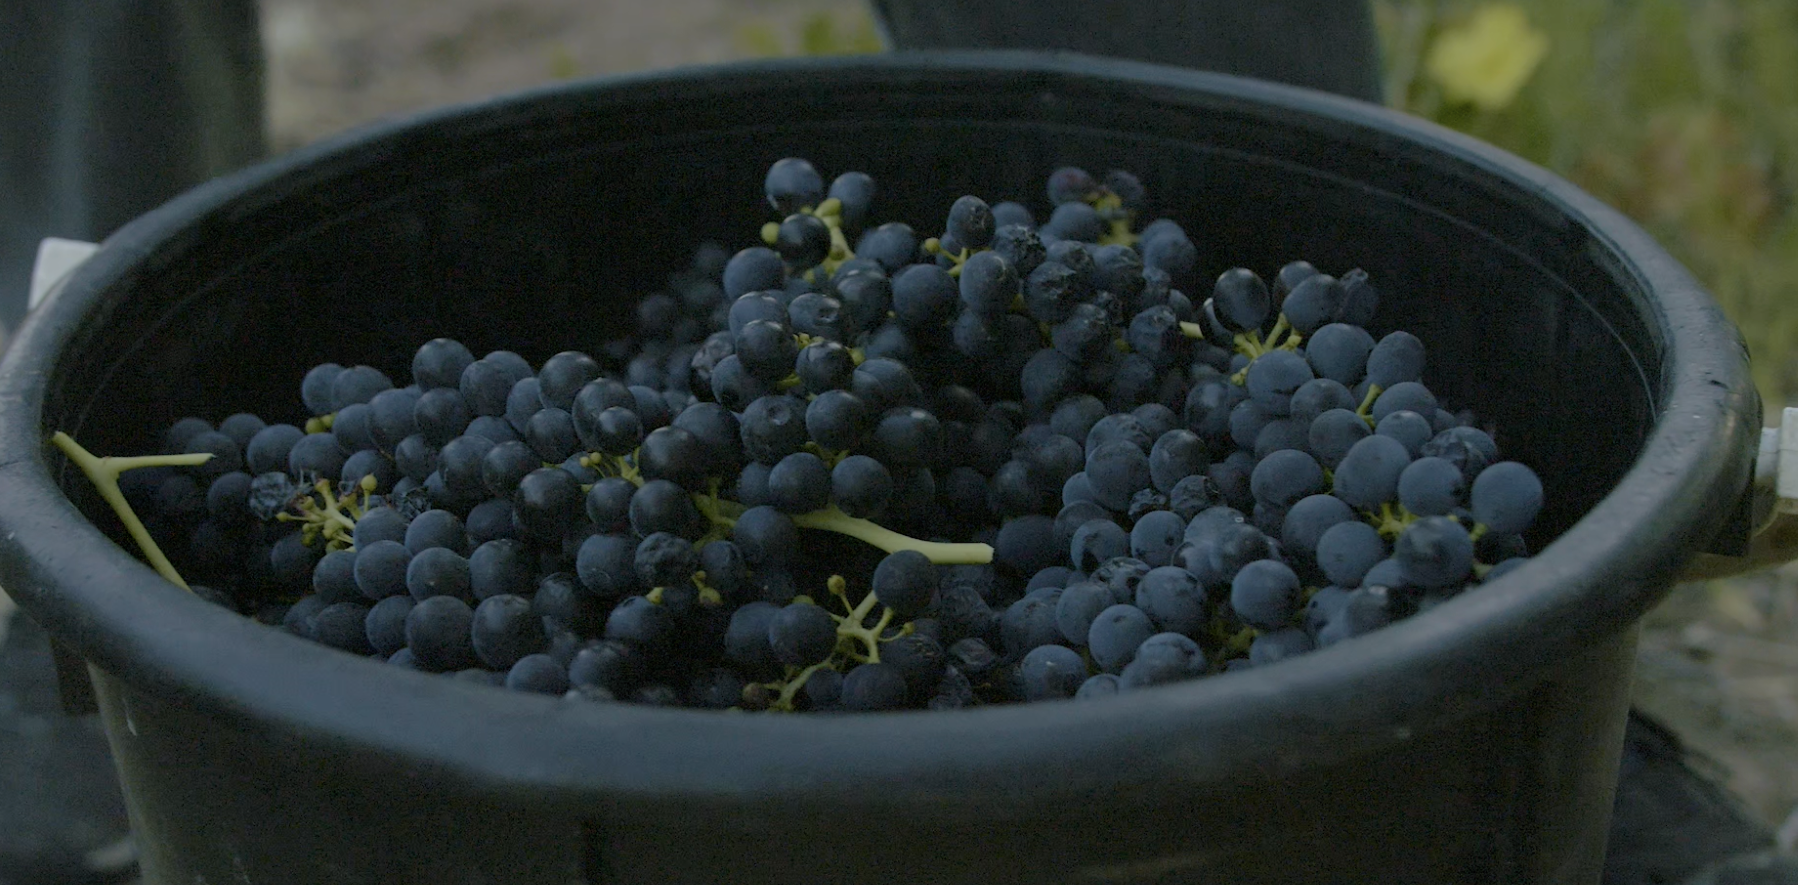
x: 1774, y: 509
x: 56, y: 259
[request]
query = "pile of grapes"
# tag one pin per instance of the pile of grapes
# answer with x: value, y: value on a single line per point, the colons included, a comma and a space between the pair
x: 1011, y: 462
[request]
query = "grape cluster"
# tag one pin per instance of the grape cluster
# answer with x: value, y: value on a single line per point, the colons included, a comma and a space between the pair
x: 1008, y: 462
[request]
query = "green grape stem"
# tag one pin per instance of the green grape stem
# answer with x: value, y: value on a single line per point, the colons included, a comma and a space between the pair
x: 104, y: 474
x: 1392, y: 520
x: 1365, y: 410
x: 832, y: 519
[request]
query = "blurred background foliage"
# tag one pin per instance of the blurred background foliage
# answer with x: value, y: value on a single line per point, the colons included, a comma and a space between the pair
x: 1681, y: 113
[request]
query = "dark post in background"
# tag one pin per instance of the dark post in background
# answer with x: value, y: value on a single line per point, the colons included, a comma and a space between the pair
x: 110, y: 107
x: 1323, y: 44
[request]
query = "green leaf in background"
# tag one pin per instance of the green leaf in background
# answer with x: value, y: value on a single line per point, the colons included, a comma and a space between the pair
x: 1681, y: 113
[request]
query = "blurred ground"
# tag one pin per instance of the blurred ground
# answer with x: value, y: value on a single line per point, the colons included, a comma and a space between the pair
x: 1719, y: 662
x: 337, y: 63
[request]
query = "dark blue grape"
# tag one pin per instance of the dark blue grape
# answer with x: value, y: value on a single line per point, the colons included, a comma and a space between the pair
x: 1103, y: 685
x: 673, y: 454
x: 1265, y: 594
x: 269, y: 449
x: 1362, y: 611
x: 1312, y: 303
x: 606, y: 565
x: 1074, y: 221
x: 793, y: 184
x: 1407, y: 427
x: 1051, y: 291
x: 315, y: 390
x: 1241, y: 300
x: 1506, y: 497
x: 334, y: 577
x: 1077, y: 607
x: 1031, y: 622
x: 1278, y: 645
x: 1435, y: 552
x: 316, y: 454
x: 1115, y: 634
x: 485, y: 386
x: 893, y: 244
x: 854, y: 191
x: 970, y: 222
x: 1339, y: 351
x: 1408, y: 396
x: 357, y: 384
x: 437, y: 632
x: 1096, y: 541
x: 548, y: 501
x: 1047, y: 377
x: 824, y: 365
x: 773, y: 427
x: 1051, y: 672
x: 1333, y: 433
x: 441, y: 414
x: 1308, y: 520
x: 1069, y: 184
x: 904, y: 582
x: 664, y: 560
x: 562, y: 377
x: 505, y: 629
x: 837, y: 420
x: 1161, y: 659
x: 746, y: 638
x: 1174, y: 599
x: 439, y: 571
x: 860, y: 486
x: 754, y: 269
x: 505, y: 464
x: 873, y: 687
x: 800, y: 483
x: 925, y: 297
x: 1274, y: 377
x: 1116, y: 470
x: 1368, y: 475
x: 1396, y: 358
x: 538, y: 674
x: 920, y: 658
x: 550, y: 433
x: 803, y: 240
x: 493, y: 428
x: 767, y: 538
x: 661, y: 506
x: 1360, y: 300
x: 461, y: 462
x: 1155, y: 537
x: 385, y: 624
x: 1469, y: 449
x: 228, y: 498
x: 1285, y: 476
x: 440, y: 363
x: 436, y: 528
x: 1210, y: 406
x: 1431, y: 487
x: 641, y: 623
x: 1318, y: 396
x: 1084, y: 335
x: 380, y: 568
x: 1172, y: 252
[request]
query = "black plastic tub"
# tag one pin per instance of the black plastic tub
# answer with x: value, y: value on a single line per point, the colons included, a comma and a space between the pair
x: 1477, y: 742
